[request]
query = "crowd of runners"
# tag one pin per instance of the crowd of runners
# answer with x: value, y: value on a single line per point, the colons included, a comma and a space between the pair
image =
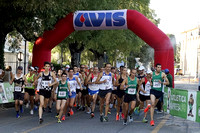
x: 83, y: 88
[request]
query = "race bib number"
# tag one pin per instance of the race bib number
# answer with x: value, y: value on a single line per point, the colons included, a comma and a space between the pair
x: 62, y: 94
x: 29, y: 85
x: 17, y: 89
x: 131, y: 91
x: 156, y: 84
x: 46, y: 83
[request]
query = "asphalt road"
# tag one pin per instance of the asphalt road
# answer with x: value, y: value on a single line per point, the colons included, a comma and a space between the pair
x: 81, y: 122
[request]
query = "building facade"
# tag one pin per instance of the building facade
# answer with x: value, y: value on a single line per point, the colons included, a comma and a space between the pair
x: 190, y: 52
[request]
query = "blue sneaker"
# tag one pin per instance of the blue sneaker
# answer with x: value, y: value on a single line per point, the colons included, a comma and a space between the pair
x: 17, y: 115
x: 35, y: 108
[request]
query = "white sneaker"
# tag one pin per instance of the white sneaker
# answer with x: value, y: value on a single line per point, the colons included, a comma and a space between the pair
x: 89, y: 111
x: 31, y: 112
x: 130, y: 118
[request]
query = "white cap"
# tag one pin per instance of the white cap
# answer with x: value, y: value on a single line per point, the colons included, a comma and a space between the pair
x: 141, y: 68
x: 32, y: 68
x: 149, y: 71
x: 67, y: 66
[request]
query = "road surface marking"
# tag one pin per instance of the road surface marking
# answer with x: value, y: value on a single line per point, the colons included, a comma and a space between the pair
x: 38, y: 127
x: 160, y: 125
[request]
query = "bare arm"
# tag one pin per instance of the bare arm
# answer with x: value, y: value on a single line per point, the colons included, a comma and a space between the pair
x: 165, y: 78
x: 98, y: 79
x: 125, y: 82
x: 88, y: 81
x: 55, y: 81
x: 12, y: 79
x: 81, y: 77
x: 117, y: 81
x: 79, y: 83
x: 25, y: 80
x: 69, y: 89
x: 140, y: 82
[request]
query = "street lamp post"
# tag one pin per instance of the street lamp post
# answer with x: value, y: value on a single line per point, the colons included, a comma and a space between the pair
x: 20, y: 56
x: 25, y: 57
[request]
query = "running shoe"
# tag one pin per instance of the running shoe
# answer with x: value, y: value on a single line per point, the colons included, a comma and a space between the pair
x: 144, y: 120
x: 41, y: 120
x: 71, y: 112
x: 125, y: 122
x: 152, y: 123
x: 137, y: 110
x: 88, y: 111
x: 17, y: 115
x: 35, y: 108
x: 105, y: 119
x: 109, y: 111
x: 31, y: 112
x: 159, y: 111
x: 117, y: 117
x: 63, y: 118
x: 83, y: 108
x: 122, y: 115
x: 130, y: 118
x: 92, y: 115
x: 75, y: 104
x: 101, y: 118
x: 50, y: 110
x: 147, y: 108
x: 59, y: 121
x: 78, y: 107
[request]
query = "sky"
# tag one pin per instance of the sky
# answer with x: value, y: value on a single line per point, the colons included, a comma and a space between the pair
x: 177, y: 16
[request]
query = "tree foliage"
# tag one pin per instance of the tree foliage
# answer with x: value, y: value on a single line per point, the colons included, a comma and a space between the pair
x: 32, y: 17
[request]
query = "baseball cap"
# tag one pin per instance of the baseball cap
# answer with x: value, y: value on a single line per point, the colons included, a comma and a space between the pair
x: 32, y: 68
x: 166, y: 71
x: 20, y: 68
x: 36, y: 68
x: 141, y: 68
x: 149, y: 71
x: 67, y: 66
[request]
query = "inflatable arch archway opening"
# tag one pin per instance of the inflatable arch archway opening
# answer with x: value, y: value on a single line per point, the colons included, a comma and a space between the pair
x: 101, y: 20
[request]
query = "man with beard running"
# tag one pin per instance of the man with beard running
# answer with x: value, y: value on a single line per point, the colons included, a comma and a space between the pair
x: 105, y: 81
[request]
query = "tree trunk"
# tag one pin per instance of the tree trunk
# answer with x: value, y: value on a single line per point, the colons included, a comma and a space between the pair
x: 101, y: 61
x: 2, y: 43
x: 75, y: 53
x: 100, y: 57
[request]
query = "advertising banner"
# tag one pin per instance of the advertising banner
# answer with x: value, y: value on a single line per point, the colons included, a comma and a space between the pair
x: 179, y: 103
x: 198, y: 107
x: 191, y: 108
x: 6, y: 93
x: 100, y: 20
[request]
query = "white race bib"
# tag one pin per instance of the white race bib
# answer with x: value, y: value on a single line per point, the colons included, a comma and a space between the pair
x: 131, y: 91
x: 46, y: 83
x: 156, y: 84
x: 62, y: 94
x: 17, y: 89
x: 29, y: 85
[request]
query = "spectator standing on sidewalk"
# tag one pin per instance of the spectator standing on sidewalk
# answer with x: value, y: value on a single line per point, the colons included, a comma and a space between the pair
x: 2, y: 73
x: 8, y: 74
x: 169, y: 77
